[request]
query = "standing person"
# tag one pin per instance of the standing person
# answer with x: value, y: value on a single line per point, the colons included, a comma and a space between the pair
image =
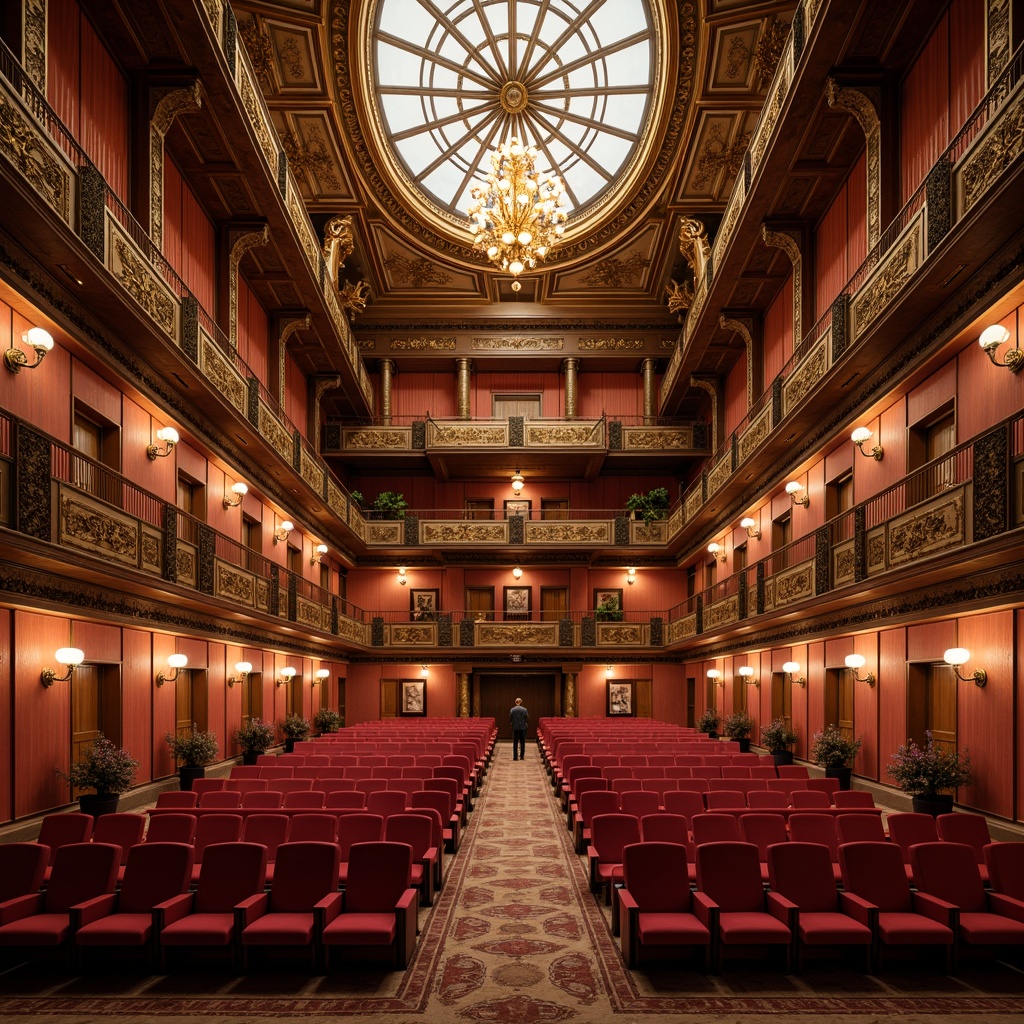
x: 520, y: 719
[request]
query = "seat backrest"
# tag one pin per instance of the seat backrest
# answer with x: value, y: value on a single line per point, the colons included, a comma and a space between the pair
x: 171, y: 828
x: 766, y: 799
x: 685, y: 802
x: 613, y: 772
x: 655, y: 874
x: 763, y: 830
x: 387, y: 772
x: 389, y: 801
x: 587, y: 784
x: 378, y: 875
x: 730, y: 873
x: 792, y: 771
x: 860, y: 828
x: 340, y: 798
x: 626, y: 785
x: 1005, y: 862
x: 57, y: 830
x: 908, y: 828
x: 205, y: 785
x: 597, y: 801
x: 733, y: 771
x: 311, y: 827
x: 808, y: 827
x: 225, y: 799
x: 330, y: 786
x: 413, y: 829
x: 401, y: 760
x: 874, y: 871
x: 231, y: 872
x: 639, y: 802
x: 441, y: 802
x: 950, y: 872
x: 802, y: 872
x: 824, y: 785
x: 809, y: 799
x: 421, y: 772
x: 725, y: 798
x: 22, y: 867
x: 436, y: 828
x: 267, y: 799
x: 369, y: 786
x: 853, y: 798
x: 268, y: 830
x: 177, y: 798
x: 359, y: 828
x: 963, y: 827
x: 80, y: 872
x: 310, y: 798
x: 154, y: 873
x: 244, y: 786
x: 293, y: 785
x: 664, y: 828
x: 216, y: 828
x: 244, y: 771
x: 305, y: 872
x: 715, y: 828
x: 445, y: 785
x: 762, y: 771
x: 693, y: 785
x: 122, y: 829
x: 274, y: 771
x: 611, y: 832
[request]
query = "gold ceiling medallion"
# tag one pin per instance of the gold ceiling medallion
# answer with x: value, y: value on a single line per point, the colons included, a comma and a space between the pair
x: 516, y: 217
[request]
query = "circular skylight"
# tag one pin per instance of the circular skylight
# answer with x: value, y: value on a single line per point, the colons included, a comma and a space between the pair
x: 454, y: 80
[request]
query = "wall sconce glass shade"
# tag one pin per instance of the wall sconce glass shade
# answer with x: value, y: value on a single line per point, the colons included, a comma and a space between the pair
x: 287, y: 675
x: 862, y: 435
x: 70, y: 658
x: 243, y: 668
x: 38, y: 340
x: 957, y: 656
x: 608, y: 671
x: 424, y: 671
x: 238, y: 492
x: 630, y: 576
x: 990, y: 341
x: 283, y: 530
x: 793, y: 489
x: 855, y: 662
x: 747, y: 675
x: 717, y: 550
x: 518, y: 482
x: 750, y: 525
x: 791, y: 668
x: 401, y: 576
x: 318, y: 552
x: 170, y: 438
x: 715, y: 676
x: 320, y: 675
x: 176, y: 662
x: 517, y: 573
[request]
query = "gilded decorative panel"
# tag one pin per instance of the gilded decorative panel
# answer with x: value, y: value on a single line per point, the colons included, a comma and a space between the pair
x: 272, y: 430
x: 794, y: 584
x: 441, y: 434
x: 392, y: 532
x: 991, y: 153
x: 152, y: 549
x: 844, y: 563
x: 618, y: 634
x: 311, y: 614
x: 513, y: 635
x: 589, y: 532
x: 459, y: 531
x: 221, y: 373
x: 260, y: 122
x: 893, y: 272
x: 349, y: 629
x: 377, y: 439
x: 648, y: 533
x: 874, y: 551
x: 719, y: 475
x: 928, y: 529
x: 769, y: 594
x: 656, y: 439
x: 565, y: 435
x: 234, y: 584
x: 94, y: 526
x: 811, y: 369
x: 336, y: 500
x: 692, y: 503
x: 140, y: 279
x: 721, y: 613
x: 419, y: 634
x: 675, y: 521
x: 263, y: 595
x: 752, y: 600
x: 758, y: 429
x: 770, y: 113
x: 311, y: 471
x: 516, y: 344
x: 681, y: 629
x: 215, y: 13
x: 187, y: 562
x: 730, y: 220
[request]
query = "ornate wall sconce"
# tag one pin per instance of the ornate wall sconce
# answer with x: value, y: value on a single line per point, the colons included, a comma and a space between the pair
x: 791, y: 668
x: 318, y: 552
x: 243, y: 668
x: 856, y: 661
x: 38, y: 340
x: 517, y: 573
x: 424, y: 671
x: 176, y: 662
x: 716, y: 549
x: 401, y: 576
x: 990, y: 341
x: 287, y: 675
x: 750, y: 525
x: 793, y: 489
x: 518, y: 482
x: 238, y: 492
x: 282, y: 533
x: 957, y: 656
x: 320, y: 675
x: 170, y: 438
x: 748, y: 677
x: 859, y: 437
x: 716, y: 677
x: 608, y: 671
x: 630, y: 576
x: 70, y: 658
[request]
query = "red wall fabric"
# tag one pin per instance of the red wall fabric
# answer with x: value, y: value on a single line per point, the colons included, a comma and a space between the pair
x: 253, y: 331
x: 736, y: 394
x: 778, y: 332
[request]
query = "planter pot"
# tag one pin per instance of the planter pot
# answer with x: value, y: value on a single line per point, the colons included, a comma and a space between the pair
x: 289, y: 745
x: 933, y: 804
x: 98, y: 803
x: 782, y: 757
x: 250, y: 756
x: 744, y: 742
x: 187, y: 774
x: 842, y: 774
x: 712, y: 735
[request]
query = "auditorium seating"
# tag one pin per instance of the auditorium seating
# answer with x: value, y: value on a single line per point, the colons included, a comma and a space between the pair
x: 970, y: 829
x: 22, y: 867
x: 1005, y: 863
x: 610, y: 834
x: 907, y: 829
x: 415, y: 830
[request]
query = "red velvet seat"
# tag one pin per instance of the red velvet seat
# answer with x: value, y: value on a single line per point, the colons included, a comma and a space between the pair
x: 172, y: 828
x: 625, y: 785
x: 155, y: 872
x: 436, y: 840
x: 949, y: 872
x: 223, y: 799
x: 306, y: 877
x: 1005, y: 863
x: 388, y: 801
x: 244, y: 771
x: 809, y: 800
x: 731, y: 901
x: 801, y: 875
x: 231, y: 873
x: 340, y: 799
x: 22, y: 868
x: 879, y: 896
x: 379, y: 907
x: 639, y: 802
x: 442, y: 803
x: 457, y: 774
x: 846, y: 798
x: 310, y: 799
x: 266, y: 830
x: 415, y: 830
x: 80, y: 872
x: 330, y: 786
x: 824, y: 785
x: 763, y: 830
x: 714, y: 828
x: 292, y: 785
x: 57, y: 830
x: 767, y: 799
x: 205, y: 785
x: 313, y: 827
x: 122, y: 829
x: 908, y: 829
x: 610, y: 834
x: 247, y: 785
x: 446, y: 784
x: 859, y: 828
x: 811, y: 827
x: 592, y: 802
x: 181, y: 798
x: 970, y: 829
x: 685, y: 802
x: 725, y: 799
x: 361, y: 827
x: 792, y: 771
x: 214, y: 828
x: 264, y: 800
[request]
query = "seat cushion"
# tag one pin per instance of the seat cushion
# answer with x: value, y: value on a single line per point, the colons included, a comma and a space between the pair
x: 826, y: 928
x: 361, y: 930
x: 117, y: 930
x: 667, y: 929
x: 990, y: 929
x: 747, y: 927
x: 38, y: 930
x: 200, y: 930
x: 898, y: 928
x: 285, y: 929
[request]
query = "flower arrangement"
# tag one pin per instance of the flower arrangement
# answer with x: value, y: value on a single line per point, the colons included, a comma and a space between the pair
x: 831, y: 748
x: 327, y: 720
x: 193, y: 749
x: 708, y: 721
x: 652, y: 505
x: 776, y: 736
x: 928, y: 770
x: 255, y: 736
x: 105, y: 768
x: 738, y: 726
x: 296, y: 727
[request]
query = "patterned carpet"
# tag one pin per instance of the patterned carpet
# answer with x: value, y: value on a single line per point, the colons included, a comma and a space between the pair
x: 514, y: 938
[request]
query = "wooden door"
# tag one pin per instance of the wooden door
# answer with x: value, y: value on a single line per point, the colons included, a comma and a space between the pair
x: 341, y: 701
x: 691, y: 700
x: 782, y: 698
x: 184, y: 714
x: 931, y: 705
x: 505, y: 405
x: 498, y: 692
x: 479, y: 508
x: 643, y: 698
x: 739, y: 695
x: 554, y: 603
x: 554, y: 508
x: 86, y: 710
x: 293, y: 696
x: 480, y: 604
x: 389, y: 698
x: 252, y: 696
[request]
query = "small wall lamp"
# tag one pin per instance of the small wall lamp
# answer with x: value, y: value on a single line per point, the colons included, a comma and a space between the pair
x: 176, y: 662
x: 859, y: 436
x: 630, y: 576
x: 717, y: 550
x: 793, y: 489
x: 39, y: 341
x: 243, y: 668
x: 791, y: 668
x: 282, y: 532
x: 518, y: 482
x: 287, y: 675
x: 716, y: 677
x: 747, y: 675
x: 608, y: 671
x: 856, y: 661
x: 320, y: 675
x: 238, y: 492
x: 750, y: 525
x: 318, y: 552
x: 990, y: 341
x: 170, y: 438
x: 957, y: 656
x: 424, y: 671
x: 517, y: 573
x: 70, y: 658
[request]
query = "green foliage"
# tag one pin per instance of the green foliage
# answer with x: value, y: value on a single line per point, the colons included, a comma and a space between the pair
x: 296, y: 727
x: 929, y: 770
x: 738, y: 726
x: 255, y: 736
x: 652, y: 505
x: 193, y: 749
x: 608, y: 610
x: 708, y: 721
x: 356, y: 496
x: 390, y: 505
x: 104, y: 768
x: 831, y: 749
x: 776, y: 736
x: 327, y: 720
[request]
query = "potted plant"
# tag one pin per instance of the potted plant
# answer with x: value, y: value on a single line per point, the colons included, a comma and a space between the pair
x: 192, y: 752
x: 652, y: 505
x: 926, y: 774
x: 294, y: 727
x: 389, y: 505
x: 777, y: 738
x: 739, y: 726
x: 327, y: 720
x: 608, y: 610
x: 708, y: 722
x: 834, y: 751
x: 255, y: 737
x: 356, y: 496
x: 106, y: 769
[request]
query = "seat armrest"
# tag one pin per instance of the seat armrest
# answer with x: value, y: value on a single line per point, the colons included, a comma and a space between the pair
x: 21, y: 907
x: 251, y: 910
x: 92, y: 910
x: 327, y: 910
x: 935, y: 909
x: 859, y: 909
x: 406, y: 915
x: 629, y: 917
x: 705, y: 909
x: 1006, y: 905
x: 173, y: 910
x: 782, y: 909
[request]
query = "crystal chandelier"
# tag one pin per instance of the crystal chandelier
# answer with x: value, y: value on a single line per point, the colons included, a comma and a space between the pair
x: 516, y: 217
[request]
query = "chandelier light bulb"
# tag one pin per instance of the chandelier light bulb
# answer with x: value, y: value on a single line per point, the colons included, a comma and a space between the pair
x: 517, y: 573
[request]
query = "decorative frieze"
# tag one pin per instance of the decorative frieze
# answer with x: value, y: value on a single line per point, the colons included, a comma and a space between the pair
x: 722, y: 613
x: 757, y: 431
x: 681, y: 629
x: 423, y: 345
x: 805, y: 376
x: 927, y: 530
x: 463, y: 532
x: 656, y: 439
x: 889, y: 278
x: 996, y: 147
x: 374, y: 439
x: 441, y: 434
x: 596, y: 532
x: 234, y: 584
x: 648, y: 533
x: 515, y: 635
x: 93, y: 526
x: 421, y: 634
x: 312, y: 471
x: 844, y: 562
x: 220, y: 371
x: 617, y: 634
x: 720, y: 473
x: 140, y: 279
x: 274, y: 432
x: 516, y: 344
x: 564, y: 435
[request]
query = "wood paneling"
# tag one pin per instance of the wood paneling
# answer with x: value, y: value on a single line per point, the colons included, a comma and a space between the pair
x: 253, y: 332
x: 7, y: 758
x: 190, y: 238
x: 415, y: 394
x: 736, y: 394
x: 137, y: 675
x: 296, y: 395
x: 924, y: 110
x: 778, y: 332
x: 977, y: 377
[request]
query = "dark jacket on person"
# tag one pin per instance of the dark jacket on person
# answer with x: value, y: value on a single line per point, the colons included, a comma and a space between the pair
x: 520, y: 718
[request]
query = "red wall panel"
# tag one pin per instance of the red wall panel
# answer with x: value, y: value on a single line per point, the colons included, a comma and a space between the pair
x: 736, y: 394
x: 190, y: 239
x: 924, y: 108
x: 63, y: 60
x: 8, y: 773
x: 416, y: 394
x: 296, y: 398
x: 977, y: 376
x: 549, y: 385
x: 137, y: 684
x: 778, y: 332
x: 618, y: 394
x: 30, y: 395
x: 253, y: 332
x: 966, y: 59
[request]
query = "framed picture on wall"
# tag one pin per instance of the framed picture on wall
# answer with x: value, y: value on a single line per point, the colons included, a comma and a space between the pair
x: 413, y: 697
x: 608, y: 604
x: 620, y: 698
x: 517, y: 604
x: 517, y: 507
x: 423, y: 605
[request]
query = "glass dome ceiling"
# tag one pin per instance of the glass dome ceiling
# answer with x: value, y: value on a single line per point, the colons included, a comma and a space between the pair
x: 453, y: 80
